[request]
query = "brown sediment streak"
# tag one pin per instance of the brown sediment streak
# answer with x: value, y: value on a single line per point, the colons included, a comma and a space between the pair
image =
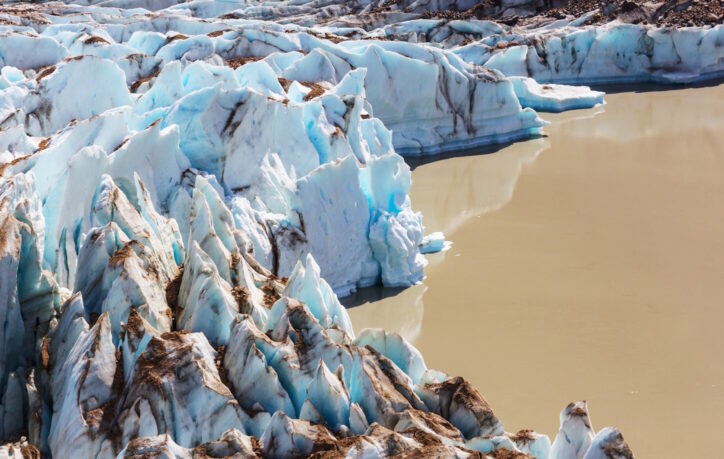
x: 172, y: 295
x: 316, y: 90
x: 94, y: 39
x: 137, y: 84
x: 47, y: 71
x: 237, y: 62
x: 523, y: 436
x: 178, y: 36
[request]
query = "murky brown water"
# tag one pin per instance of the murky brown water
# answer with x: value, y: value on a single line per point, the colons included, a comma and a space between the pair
x: 586, y: 265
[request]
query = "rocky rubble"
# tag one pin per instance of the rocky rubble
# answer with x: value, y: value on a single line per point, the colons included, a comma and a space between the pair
x: 670, y: 13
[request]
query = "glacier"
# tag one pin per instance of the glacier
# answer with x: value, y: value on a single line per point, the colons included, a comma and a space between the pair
x: 614, y: 53
x: 187, y: 187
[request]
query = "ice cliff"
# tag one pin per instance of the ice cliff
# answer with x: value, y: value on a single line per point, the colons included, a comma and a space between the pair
x: 186, y: 187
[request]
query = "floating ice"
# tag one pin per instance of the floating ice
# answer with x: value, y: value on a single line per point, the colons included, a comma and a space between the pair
x: 554, y: 97
x: 434, y: 242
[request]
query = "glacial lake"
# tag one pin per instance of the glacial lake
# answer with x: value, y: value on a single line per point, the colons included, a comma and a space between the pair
x: 588, y: 264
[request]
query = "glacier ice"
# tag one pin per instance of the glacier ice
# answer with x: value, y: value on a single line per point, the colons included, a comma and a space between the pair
x: 232, y: 443
x: 576, y: 432
x: 256, y: 364
x: 608, y: 442
x: 185, y: 188
x: 613, y: 53
x: 137, y: 387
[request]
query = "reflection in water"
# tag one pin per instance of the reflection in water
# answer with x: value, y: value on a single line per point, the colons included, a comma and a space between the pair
x: 485, y: 181
x: 370, y: 295
x: 470, y: 185
x: 643, y: 114
x: 600, y: 278
x: 405, y: 319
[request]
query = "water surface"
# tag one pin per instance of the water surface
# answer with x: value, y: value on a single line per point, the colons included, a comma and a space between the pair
x: 586, y: 265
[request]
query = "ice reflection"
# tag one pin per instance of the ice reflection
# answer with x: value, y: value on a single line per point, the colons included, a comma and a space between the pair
x: 469, y: 186
x: 405, y: 318
x: 633, y: 116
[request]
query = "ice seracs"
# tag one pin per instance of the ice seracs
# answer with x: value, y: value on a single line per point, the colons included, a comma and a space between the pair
x: 60, y: 96
x: 227, y: 130
x: 607, y: 443
x: 129, y: 260
x: 576, y: 432
x: 101, y: 399
x: 576, y: 438
x: 532, y: 443
x: 178, y: 392
x: 232, y: 443
x: 29, y: 296
x: 178, y: 370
